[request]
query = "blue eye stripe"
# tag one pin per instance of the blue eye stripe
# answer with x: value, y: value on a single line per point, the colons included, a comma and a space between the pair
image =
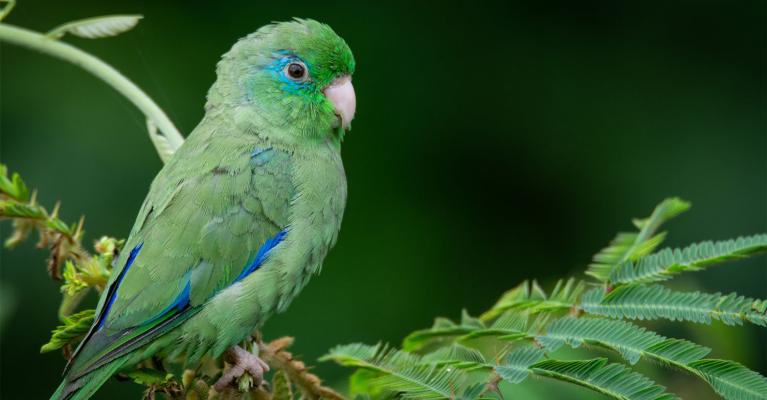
x: 277, y: 67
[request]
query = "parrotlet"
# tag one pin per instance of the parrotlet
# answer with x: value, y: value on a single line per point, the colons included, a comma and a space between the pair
x: 239, y: 219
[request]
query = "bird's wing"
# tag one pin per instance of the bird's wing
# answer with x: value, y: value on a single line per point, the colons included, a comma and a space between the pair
x: 205, y: 225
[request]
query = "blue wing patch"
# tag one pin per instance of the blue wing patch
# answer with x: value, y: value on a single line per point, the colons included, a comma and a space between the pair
x: 112, y: 294
x: 262, y: 253
x: 261, y: 156
x: 182, y: 300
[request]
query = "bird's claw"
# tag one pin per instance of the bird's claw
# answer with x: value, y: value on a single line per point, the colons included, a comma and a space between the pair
x: 242, y: 361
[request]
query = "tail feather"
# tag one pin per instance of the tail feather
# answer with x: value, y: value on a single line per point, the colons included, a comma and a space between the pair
x: 82, y: 388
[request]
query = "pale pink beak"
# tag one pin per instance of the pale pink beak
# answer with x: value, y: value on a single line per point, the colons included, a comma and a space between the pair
x: 341, y: 94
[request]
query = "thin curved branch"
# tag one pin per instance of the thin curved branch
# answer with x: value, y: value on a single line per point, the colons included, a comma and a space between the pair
x: 44, y: 44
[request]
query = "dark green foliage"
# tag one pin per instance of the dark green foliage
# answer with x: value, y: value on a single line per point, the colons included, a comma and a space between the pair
x: 522, y: 332
x: 612, y: 380
x: 655, y: 301
x: 732, y: 380
x: 666, y: 263
x: 629, y: 246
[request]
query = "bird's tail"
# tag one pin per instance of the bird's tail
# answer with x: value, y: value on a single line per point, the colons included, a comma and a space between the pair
x: 82, y: 388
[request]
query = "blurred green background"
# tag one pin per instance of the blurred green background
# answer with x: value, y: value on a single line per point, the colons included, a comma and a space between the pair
x: 493, y: 142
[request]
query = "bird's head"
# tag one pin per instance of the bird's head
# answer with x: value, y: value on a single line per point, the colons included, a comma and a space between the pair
x: 295, y: 75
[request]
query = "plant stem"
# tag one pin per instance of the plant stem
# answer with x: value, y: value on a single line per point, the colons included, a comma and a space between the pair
x: 44, y: 44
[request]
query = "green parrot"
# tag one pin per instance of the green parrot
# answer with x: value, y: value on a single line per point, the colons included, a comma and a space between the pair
x: 239, y: 219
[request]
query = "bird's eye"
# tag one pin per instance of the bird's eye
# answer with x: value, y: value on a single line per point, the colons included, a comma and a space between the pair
x: 296, y: 71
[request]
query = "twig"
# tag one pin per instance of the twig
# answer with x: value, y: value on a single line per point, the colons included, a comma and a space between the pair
x: 44, y: 44
x: 310, y: 385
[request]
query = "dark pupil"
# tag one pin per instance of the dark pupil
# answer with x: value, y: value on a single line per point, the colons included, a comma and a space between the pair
x: 296, y: 70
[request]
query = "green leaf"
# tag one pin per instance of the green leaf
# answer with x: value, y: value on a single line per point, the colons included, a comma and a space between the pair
x: 60, y: 226
x: 732, y: 380
x: 402, y: 373
x: 74, y: 328
x: 443, y: 328
x: 97, y: 27
x: 630, y: 246
x: 667, y: 263
x: 509, y: 325
x: 13, y: 209
x: 15, y: 187
x: 458, y: 356
x: 627, y: 339
x: 149, y: 376
x: 516, y: 367
x: 612, y: 380
x: 532, y: 299
x: 73, y: 282
x: 359, y: 384
x: 676, y: 352
x: 281, y: 386
x: 658, y: 302
x: 631, y: 341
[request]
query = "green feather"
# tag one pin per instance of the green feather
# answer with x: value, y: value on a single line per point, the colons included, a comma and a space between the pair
x: 263, y: 160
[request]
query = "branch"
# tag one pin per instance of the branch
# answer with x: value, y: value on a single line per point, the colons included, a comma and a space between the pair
x: 52, y: 47
x: 310, y: 385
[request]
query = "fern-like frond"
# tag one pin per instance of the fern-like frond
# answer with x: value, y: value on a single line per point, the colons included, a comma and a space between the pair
x: 442, y: 329
x: 458, y: 356
x: 71, y: 332
x: 666, y: 263
x: 629, y: 246
x: 516, y: 367
x: 533, y: 299
x: 404, y: 374
x: 659, y: 302
x: 732, y: 380
x: 613, y: 380
x: 676, y: 352
x: 511, y: 325
x: 629, y: 340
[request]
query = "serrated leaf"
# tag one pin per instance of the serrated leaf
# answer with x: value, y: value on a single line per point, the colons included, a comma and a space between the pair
x: 629, y: 340
x: 97, y: 27
x: 60, y: 226
x: 12, y: 209
x: 667, y: 263
x: 613, y: 380
x: 630, y: 246
x: 458, y: 356
x: 74, y: 328
x: 658, y: 302
x: 732, y: 380
x: 516, y: 367
x: 442, y: 329
x: 533, y: 299
x: 402, y: 373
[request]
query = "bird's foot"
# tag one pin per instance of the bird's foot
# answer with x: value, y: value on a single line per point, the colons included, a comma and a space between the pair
x: 241, y: 361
